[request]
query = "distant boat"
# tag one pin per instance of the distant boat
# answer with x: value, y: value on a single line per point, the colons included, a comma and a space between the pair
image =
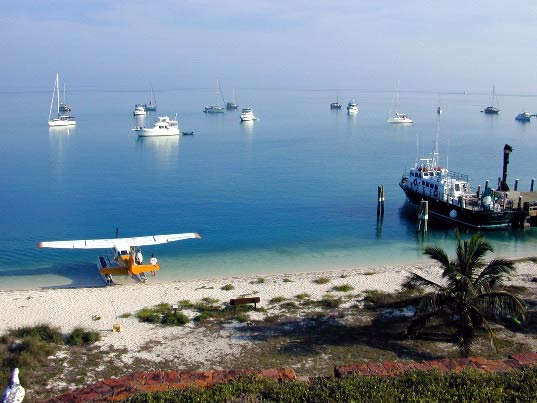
x: 139, y: 110
x: 247, y: 115
x: 335, y: 105
x: 352, y: 107
x: 439, y: 108
x: 523, y: 117
x: 493, y: 109
x: 216, y: 108
x: 64, y: 106
x: 61, y: 120
x: 399, y: 117
x: 152, y: 105
x: 164, y: 126
x: 232, y: 105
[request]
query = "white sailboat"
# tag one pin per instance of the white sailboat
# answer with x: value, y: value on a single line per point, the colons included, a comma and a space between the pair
x: 398, y: 117
x: 216, y: 108
x: 61, y: 120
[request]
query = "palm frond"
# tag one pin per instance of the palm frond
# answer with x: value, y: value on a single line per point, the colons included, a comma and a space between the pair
x: 420, y: 322
x: 438, y: 254
x: 500, y: 304
x: 416, y: 280
x: 493, y: 274
x: 490, y: 331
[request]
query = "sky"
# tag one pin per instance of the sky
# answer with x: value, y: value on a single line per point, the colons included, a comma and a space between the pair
x: 301, y: 44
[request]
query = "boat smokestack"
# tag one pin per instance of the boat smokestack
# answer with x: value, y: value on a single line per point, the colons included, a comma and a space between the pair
x: 507, y: 149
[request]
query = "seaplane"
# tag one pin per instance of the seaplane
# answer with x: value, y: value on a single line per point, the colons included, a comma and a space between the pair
x: 124, y: 261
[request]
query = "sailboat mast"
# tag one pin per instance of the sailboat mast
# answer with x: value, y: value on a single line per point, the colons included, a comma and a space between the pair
x: 219, y: 89
x: 58, y: 92
x: 52, y: 100
x: 397, y: 99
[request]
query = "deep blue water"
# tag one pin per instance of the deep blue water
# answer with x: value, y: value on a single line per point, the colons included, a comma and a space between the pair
x: 293, y: 191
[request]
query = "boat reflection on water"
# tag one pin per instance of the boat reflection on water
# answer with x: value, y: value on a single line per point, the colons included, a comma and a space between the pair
x: 164, y: 150
x: 59, y: 139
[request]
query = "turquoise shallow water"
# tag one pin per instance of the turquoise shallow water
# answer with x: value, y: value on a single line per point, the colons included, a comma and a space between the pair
x: 293, y: 191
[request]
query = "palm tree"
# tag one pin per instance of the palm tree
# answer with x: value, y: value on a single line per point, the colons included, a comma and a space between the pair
x: 469, y: 295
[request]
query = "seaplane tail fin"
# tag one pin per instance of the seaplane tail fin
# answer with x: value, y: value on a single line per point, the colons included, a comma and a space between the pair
x: 110, y: 243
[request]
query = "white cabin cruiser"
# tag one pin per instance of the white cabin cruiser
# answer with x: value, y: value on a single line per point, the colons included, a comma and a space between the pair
x: 247, y: 115
x: 352, y: 107
x: 164, y: 126
x: 139, y: 110
x: 400, y: 118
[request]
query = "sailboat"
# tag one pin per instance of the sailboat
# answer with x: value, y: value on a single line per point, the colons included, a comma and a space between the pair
x: 399, y: 117
x: 335, y: 105
x: 152, y: 105
x: 439, y: 109
x: 61, y: 120
x: 232, y: 105
x: 493, y: 109
x: 64, y: 106
x: 215, y: 108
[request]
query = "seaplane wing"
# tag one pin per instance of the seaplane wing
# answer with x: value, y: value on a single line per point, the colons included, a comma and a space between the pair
x: 111, y: 243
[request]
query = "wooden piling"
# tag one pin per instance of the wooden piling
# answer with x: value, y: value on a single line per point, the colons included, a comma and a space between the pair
x: 486, y: 185
x: 516, y: 184
x: 532, y: 183
x: 478, y: 191
x: 423, y: 217
x: 380, y: 201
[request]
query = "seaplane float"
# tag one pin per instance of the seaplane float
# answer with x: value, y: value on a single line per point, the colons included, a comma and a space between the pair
x: 124, y: 260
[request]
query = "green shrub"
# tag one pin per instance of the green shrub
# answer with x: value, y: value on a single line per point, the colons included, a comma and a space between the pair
x: 343, y: 288
x: 174, y: 319
x: 290, y: 305
x: 260, y: 280
x: 163, y: 307
x: 329, y: 301
x: 321, y: 280
x: 80, y: 336
x: 148, y: 315
x: 95, y: 317
x: 202, y: 317
x: 287, y: 280
x: 185, y: 304
x: 227, y: 287
x: 303, y: 296
x: 125, y: 315
x: 412, y: 387
x: 241, y: 318
x: 41, y: 332
x: 277, y: 300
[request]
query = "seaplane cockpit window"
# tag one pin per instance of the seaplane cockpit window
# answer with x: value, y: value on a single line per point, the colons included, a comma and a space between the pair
x: 457, y: 187
x: 124, y: 252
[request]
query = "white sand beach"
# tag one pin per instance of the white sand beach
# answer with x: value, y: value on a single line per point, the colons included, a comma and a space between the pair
x: 100, y: 308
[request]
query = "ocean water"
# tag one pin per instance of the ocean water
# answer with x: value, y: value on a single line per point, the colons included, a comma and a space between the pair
x: 294, y: 191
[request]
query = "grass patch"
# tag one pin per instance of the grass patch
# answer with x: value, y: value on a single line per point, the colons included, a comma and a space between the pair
x: 174, y: 319
x: 330, y: 302
x: 303, y: 296
x: 125, y: 315
x: 185, y: 304
x: 379, y: 299
x: 369, y: 273
x: 209, y: 300
x: 277, y: 300
x: 260, y: 280
x: 287, y: 280
x: 42, y: 332
x: 95, y: 317
x: 343, y: 288
x: 162, y: 313
x: 80, y: 337
x: 289, y: 305
x: 321, y: 280
x: 227, y: 287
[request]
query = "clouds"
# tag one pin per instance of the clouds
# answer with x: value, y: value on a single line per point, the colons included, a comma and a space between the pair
x: 272, y: 43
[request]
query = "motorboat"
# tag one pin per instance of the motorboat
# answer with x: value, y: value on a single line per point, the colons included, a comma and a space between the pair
x: 60, y: 120
x: 523, y: 117
x: 164, y: 126
x: 335, y: 105
x: 247, y: 115
x: 398, y: 117
x: 352, y: 107
x: 139, y: 110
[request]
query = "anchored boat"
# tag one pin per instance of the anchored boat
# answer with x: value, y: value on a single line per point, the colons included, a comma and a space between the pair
x: 451, y: 198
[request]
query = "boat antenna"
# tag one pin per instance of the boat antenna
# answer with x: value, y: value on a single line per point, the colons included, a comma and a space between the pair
x: 417, y: 149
